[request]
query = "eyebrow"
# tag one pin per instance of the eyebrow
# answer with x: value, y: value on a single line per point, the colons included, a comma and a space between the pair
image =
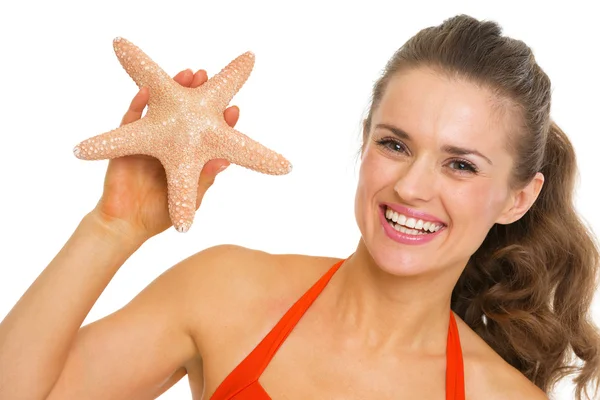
x: 454, y: 150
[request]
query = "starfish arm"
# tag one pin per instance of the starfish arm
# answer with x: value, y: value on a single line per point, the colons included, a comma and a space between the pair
x: 140, y: 67
x: 127, y: 140
x: 224, y: 85
x: 239, y: 149
x: 182, y: 192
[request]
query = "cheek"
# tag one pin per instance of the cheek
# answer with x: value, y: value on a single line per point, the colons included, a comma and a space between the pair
x: 376, y: 169
x: 475, y: 206
x: 374, y: 175
x: 376, y: 172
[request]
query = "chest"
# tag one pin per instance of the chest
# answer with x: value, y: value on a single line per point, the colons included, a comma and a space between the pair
x: 297, y: 374
x: 305, y: 367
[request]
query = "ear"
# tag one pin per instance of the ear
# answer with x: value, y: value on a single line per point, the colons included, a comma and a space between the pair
x: 522, y: 200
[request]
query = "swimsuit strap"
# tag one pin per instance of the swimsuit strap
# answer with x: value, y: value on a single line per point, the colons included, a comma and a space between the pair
x: 252, y: 367
x: 455, y: 380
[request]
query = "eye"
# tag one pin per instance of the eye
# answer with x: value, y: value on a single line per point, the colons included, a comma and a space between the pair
x: 460, y: 166
x: 392, y: 145
x: 464, y: 166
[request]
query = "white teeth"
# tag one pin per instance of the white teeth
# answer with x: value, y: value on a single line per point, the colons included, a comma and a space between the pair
x: 419, y: 225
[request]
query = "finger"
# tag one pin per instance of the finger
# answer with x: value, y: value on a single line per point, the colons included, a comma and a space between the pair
x: 184, y: 78
x: 199, y: 78
x: 231, y: 115
x: 136, y: 108
x: 207, y: 177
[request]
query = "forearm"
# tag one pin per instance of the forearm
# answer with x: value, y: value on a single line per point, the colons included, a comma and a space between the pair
x: 36, y: 335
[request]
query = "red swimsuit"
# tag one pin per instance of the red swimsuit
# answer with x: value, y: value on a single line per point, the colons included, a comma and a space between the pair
x: 242, y: 383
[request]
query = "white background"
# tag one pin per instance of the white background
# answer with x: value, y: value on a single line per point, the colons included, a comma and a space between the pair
x: 61, y: 83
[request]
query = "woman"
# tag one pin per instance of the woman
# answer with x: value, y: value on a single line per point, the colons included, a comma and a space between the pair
x: 472, y: 279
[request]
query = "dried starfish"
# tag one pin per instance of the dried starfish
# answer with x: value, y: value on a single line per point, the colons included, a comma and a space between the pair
x: 183, y: 128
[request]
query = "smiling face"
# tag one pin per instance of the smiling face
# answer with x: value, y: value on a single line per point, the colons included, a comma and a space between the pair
x: 436, y: 146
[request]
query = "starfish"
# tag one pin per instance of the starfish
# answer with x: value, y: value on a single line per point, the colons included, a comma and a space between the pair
x: 183, y: 128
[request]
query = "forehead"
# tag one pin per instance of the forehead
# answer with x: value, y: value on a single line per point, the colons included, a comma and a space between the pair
x: 430, y: 105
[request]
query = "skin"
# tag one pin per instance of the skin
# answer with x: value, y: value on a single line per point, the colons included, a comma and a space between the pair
x: 378, y: 329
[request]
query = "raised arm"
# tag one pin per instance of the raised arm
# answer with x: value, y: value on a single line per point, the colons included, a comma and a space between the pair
x: 139, y: 350
x: 42, y: 345
x: 144, y: 348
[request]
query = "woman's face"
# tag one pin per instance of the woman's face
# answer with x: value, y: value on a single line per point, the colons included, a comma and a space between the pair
x: 436, y: 152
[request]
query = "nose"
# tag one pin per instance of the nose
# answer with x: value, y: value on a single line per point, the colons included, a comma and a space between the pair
x: 417, y: 181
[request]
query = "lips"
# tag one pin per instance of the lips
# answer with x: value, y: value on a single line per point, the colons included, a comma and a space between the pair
x: 404, y: 237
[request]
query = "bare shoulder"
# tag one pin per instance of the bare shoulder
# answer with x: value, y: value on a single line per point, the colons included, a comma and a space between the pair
x: 235, y: 272
x: 233, y: 288
x: 489, y: 376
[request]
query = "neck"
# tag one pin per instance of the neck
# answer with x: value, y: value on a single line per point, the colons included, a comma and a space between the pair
x: 385, y: 312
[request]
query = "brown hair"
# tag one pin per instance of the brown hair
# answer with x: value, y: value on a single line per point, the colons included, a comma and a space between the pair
x: 527, y: 290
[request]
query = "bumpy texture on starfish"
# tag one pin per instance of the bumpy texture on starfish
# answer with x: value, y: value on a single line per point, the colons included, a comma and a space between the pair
x: 183, y: 128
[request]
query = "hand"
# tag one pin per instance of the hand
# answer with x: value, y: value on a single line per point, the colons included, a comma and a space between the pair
x: 134, y: 201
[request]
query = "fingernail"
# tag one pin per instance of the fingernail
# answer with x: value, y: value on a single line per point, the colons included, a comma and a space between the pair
x: 222, y: 168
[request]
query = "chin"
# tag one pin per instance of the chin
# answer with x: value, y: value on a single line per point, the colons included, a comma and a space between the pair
x: 397, y: 261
